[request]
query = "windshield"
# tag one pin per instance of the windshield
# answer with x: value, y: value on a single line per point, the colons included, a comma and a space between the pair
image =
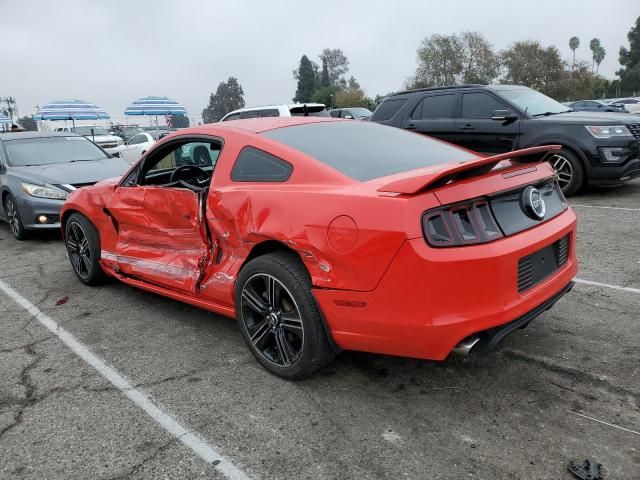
x: 86, y: 131
x: 46, y: 150
x: 360, y: 112
x: 535, y: 103
x: 364, y: 150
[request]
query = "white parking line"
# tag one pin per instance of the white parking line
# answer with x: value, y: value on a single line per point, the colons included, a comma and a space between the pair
x: 607, y: 285
x: 606, y: 208
x: 191, y: 440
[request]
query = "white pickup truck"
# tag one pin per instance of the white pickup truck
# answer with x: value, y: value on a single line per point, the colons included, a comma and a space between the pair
x: 98, y: 135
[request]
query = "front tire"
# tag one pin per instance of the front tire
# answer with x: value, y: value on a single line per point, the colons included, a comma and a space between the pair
x: 279, y: 317
x: 13, y: 217
x: 83, y: 247
x: 569, y: 170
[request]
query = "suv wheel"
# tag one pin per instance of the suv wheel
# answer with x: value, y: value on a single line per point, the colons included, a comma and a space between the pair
x: 569, y: 170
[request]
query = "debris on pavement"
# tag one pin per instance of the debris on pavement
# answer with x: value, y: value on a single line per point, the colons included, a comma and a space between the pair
x: 587, y: 471
x: 62, y: 301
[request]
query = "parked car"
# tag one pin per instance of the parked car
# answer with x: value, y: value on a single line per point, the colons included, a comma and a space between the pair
x: 321, y: 234
x: 139, y: 144
x: 597, y: 148
x: 293, y: 110
x: 39, y: 169
x: 355, y: 113
x: 631, y: 104
x: 97, y: 134
x: 596, y: 106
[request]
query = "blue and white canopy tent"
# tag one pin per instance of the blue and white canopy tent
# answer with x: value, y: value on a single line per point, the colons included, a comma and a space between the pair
x: 154, y: 106
x: 70, y: 110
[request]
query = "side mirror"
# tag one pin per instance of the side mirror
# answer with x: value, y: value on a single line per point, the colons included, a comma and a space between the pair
x: 503, y: 116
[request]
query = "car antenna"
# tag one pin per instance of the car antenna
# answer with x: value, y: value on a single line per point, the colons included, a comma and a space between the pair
x: 520, y: 129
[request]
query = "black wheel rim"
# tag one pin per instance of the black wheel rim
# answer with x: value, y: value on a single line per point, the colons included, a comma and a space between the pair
x: 12, y: 215
x: 272, y: 320
x: 78, y: 248
x: 563, y: 168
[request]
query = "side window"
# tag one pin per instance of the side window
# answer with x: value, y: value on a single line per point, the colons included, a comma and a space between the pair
x: 253, y: 165
x: 158, y: 168
x: 388, y: 109
x: 480, y: 105
x: 250, y: 114
x: 235, y: 116
x: 140, y: 138
x: 334, y: 113
x: 435, y: 106
x: 269, y: 112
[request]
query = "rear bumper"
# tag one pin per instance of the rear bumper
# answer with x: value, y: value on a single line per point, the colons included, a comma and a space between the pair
x: 430, y: 299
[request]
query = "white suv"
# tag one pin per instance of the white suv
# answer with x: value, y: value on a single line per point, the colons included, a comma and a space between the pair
x: 98, y: 135
x: 293, y: 110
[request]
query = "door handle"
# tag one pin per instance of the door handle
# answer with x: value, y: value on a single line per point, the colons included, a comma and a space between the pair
x: 467, y: 126
x: 411, y: 126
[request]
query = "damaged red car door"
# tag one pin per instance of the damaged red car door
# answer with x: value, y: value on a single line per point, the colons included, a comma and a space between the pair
x: 161, y: 236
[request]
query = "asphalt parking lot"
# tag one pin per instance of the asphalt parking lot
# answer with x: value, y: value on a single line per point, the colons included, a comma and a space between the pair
x: 566, y: 388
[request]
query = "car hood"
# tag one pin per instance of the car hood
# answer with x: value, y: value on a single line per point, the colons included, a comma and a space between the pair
x: 590, y: 118
x: 104, y: 138
x: 72, y: 173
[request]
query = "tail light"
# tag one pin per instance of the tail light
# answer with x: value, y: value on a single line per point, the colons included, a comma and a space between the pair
x: 464, y: 224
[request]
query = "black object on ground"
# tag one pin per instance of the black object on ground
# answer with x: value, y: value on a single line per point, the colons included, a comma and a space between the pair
x: 587, y: 471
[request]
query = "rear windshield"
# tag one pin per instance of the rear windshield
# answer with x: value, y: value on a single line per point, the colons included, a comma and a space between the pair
x: 46, y: 150
x: 315, y: 111
x: 363, y: 150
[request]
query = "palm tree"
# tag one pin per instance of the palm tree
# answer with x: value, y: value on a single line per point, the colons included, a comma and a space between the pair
x: 574, y: 43
x: 598, y: 57
x: 594, y: 45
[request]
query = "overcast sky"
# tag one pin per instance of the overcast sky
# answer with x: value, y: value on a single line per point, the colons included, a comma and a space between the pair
x: 112, y: 52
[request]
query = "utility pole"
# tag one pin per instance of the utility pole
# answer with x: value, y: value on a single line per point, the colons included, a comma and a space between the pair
x: 12, y: 107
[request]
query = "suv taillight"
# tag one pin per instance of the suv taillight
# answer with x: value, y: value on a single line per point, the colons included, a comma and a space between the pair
x: 464, y: 224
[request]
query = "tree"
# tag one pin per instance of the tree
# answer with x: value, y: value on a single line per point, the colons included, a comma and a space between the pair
x: 324, y: 76
x: 595, y: 47
x: 479, y: 62
x: 528, y: 63
x: 179, y: 121
x: 28, y: 124
x: 306, y: 77
x: 598, y: 57
x: 337, y: 65
x: 440, y: 61
x: 326, y: 95
x: 229, y: 96
x: 574, y: 44
x: 630, y: 60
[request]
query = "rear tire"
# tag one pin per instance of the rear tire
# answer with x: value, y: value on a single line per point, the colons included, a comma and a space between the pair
x: 14, y: 219
x: 569, y: 170
x: 83, y: 247
x: 279, y: 317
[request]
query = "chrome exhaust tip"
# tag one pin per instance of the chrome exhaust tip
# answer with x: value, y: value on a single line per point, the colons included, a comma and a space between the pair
x: 466, y: 345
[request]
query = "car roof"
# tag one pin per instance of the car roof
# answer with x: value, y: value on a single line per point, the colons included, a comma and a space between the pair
x: 495, y: 87
x: 288, y: 106
x: 252, y: 125
x: 23, y: 135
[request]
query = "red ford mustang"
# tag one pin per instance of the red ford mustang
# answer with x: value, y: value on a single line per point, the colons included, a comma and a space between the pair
x: 320, y: 235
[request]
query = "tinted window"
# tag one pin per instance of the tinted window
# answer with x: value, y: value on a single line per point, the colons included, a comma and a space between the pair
x: 437, y: 106
x: 335, y: 113
x: 138, y: 139
x: 364, y: 150
x: 479, y: 105
x: 312, y: 111
x: 254, y: 165
x: 388, y: 109
x: 42, y: 151
x: 269, y: 112
x: 235, y: 116
x: 250, y: 114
